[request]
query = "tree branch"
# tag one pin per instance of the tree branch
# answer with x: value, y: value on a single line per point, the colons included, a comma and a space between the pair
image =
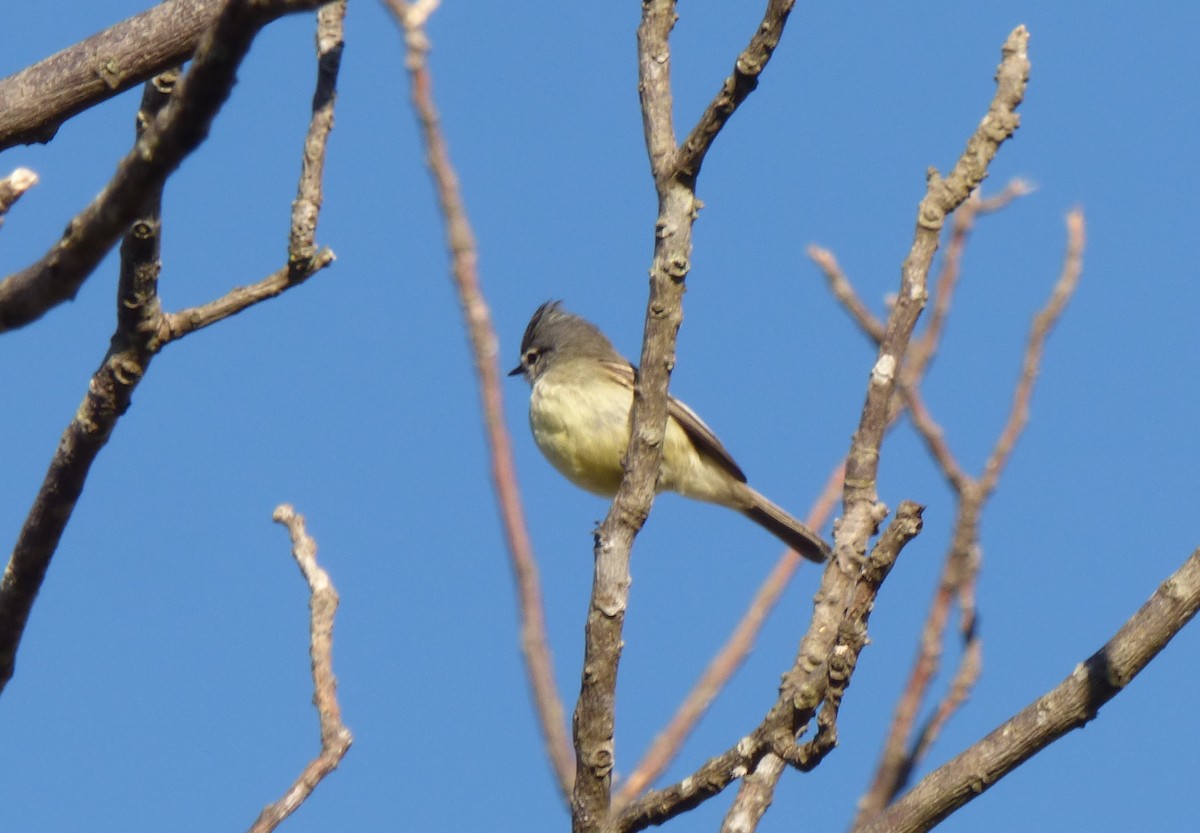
x: 535, y: 644
x: 804, y: 684
x: 1070, y: 705
x: 674, y: 170
x: 37, y: 100
x: 901, y: 750
x: 335, y: 737
x: 134, y: 343
x: 666, y: 745
x: 178, y: 130
x: 142, y: 331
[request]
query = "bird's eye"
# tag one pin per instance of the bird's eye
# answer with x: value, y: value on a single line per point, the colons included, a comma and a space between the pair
x: 531, y: 357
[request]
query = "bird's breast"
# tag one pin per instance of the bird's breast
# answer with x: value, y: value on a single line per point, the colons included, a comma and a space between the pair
x: 582, y: 428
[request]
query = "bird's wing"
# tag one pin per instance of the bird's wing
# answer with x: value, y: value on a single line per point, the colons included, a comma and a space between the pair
x: 698, y: 432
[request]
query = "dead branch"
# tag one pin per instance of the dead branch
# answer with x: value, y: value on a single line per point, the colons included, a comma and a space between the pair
x: 1070, y: 705
x: 36, y: 101
x: 535, y: 644
x: 335, y: 737
x: 177, y: 131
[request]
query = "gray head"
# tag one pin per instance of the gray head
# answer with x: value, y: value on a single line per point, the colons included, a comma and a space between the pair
x: 553, y: 333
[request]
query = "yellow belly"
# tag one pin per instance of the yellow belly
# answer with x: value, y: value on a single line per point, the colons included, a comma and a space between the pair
x: 583, y: 430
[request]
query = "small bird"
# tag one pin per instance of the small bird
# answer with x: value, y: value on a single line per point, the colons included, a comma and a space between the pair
x: 579, y: 414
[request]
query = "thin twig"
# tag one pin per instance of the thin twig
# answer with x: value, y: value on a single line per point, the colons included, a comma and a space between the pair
x: 535, y: 644
x: 844, y: 292
x: 335, y: 737
x: 1043, y: 324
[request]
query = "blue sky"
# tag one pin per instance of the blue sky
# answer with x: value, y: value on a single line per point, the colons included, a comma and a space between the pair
x: 163, y: 680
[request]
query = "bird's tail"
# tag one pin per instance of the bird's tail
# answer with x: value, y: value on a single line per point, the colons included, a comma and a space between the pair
x: 786, y: 528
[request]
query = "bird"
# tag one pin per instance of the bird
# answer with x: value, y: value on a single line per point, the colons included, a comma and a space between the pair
x: 579, y: 412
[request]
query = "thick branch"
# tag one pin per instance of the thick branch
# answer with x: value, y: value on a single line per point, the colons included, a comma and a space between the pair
x: 37, y: 100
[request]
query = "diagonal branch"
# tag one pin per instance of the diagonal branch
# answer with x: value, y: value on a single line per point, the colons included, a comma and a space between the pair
x: 772, y: 742
x: 806, y: 682
x: 740, y: 83
x: 134, y: 344
x: 666, y: 745
x: 142, y: 331
x: 37, y: 100
x: 1070, y: 705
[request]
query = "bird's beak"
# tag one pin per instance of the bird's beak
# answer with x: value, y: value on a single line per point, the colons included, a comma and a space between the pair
x: 517, y: 371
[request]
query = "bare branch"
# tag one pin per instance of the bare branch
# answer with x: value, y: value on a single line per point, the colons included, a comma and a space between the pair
x: 935, y: 439
x: 302, y: 246
x: 134, y: 344
x: 305, y: 259
x: 844, y: 292
x: 142, y: 331
x: 535, y: 643
x: 899, y: 758
x: 820, y: 665
x: 335, y: 737
x: 241, y: 298
x: 740, y: 83
x: 178, y: 130
x: 666, y: 745
x: 1043, y: 323
x: 37, y: 100
x: 942, y: 197
x: 674, y: 170
x: 964, y: 222
x: 1070, y: 705
x: 805, y: 683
